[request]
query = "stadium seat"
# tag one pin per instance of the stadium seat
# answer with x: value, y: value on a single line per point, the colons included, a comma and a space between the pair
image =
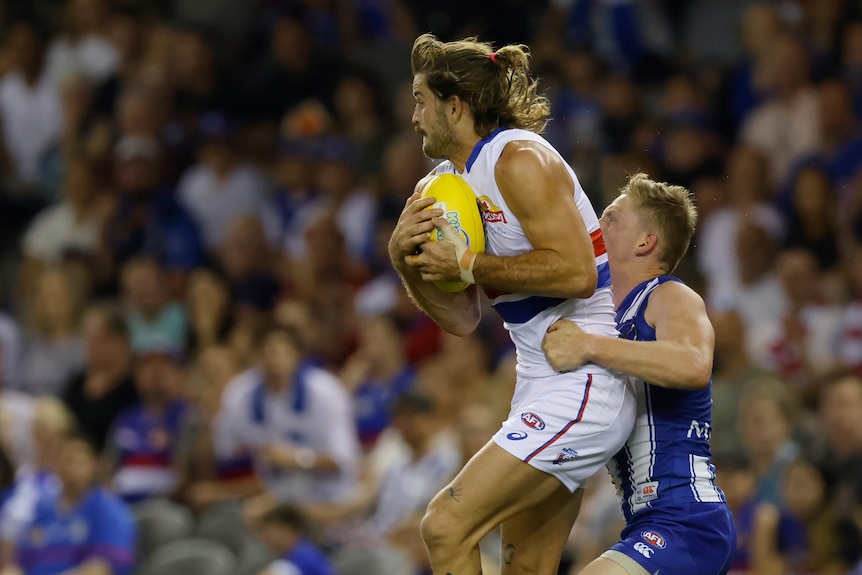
x: 224, y: 524
x: 253, y: 558
x: 190, y: 557
x: 160, y: 522
x: 367, y: 560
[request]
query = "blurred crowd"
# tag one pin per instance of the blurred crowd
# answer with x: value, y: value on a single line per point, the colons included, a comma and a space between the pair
x: 203, y: 342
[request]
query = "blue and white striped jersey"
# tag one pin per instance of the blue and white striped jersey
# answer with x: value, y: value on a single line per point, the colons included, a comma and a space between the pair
x: 667, y: 459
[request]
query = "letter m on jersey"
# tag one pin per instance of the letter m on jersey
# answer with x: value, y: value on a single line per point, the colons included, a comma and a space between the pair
x: 701, y: 430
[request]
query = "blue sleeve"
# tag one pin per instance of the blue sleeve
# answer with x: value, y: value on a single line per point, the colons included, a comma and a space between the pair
x: 114, y: 534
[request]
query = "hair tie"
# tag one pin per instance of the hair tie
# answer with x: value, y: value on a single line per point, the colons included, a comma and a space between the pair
x: 493, y: 57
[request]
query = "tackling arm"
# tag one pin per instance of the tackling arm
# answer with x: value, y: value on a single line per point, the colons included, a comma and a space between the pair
x: 681, y: 356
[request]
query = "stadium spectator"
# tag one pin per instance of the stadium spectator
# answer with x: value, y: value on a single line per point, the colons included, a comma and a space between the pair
x: 376, y: 375
x: 155, y: 321
x: 53, y: 348
x: 104, y: 388
x: 220, y: 188
x: 142, y: 452
x: 284, y: 530
x: 35, y: 479
x: 81, y: 529
x: 296, y: 420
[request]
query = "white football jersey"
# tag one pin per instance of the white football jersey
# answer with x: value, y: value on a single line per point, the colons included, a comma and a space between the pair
x: 528, y: 316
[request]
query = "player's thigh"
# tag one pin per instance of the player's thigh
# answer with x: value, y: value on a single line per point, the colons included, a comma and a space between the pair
x: 620, y: 565
x: 533, y: 540
x: 491, y: 488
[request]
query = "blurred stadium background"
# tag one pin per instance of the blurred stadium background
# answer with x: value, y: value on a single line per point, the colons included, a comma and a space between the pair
x: 192, y: 191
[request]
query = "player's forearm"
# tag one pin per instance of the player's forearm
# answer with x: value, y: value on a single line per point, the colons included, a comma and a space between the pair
x: 457, y: 313
x: 538, y: 272
x: 663, y: 363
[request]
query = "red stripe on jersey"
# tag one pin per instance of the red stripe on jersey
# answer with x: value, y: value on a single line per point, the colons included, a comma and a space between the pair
x: 598, y: 242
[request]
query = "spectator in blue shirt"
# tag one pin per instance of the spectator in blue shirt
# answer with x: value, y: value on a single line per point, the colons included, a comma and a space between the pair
x: 149, y: 220
x: 283, y: 530
x: 84, y: 529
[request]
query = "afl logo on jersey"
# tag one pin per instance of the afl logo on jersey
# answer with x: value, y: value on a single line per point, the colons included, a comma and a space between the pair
x: 654, y: 539
x: 530, y: 419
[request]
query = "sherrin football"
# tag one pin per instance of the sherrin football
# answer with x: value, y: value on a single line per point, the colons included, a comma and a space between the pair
x: 460, y: 208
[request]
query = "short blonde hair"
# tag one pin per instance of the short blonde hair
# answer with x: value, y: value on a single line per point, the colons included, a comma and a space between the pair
x: 669, y: 210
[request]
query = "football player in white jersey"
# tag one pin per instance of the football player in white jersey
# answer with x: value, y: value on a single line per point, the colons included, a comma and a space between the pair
x: 677, y: 519
x: 545, y: 260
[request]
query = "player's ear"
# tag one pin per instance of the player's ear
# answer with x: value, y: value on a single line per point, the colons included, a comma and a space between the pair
x: 454, y: 107
x: 646, y: 244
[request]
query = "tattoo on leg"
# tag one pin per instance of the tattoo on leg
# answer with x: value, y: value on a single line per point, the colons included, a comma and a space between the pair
x: 508, y: 553
x: 452, y: 492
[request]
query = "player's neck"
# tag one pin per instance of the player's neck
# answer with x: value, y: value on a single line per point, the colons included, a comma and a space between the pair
x: 626, y: 277
x: 460, y: 158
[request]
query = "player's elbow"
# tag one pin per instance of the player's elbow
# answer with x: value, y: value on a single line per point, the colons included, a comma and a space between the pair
x: 700, y: 374
x: 580, y: 283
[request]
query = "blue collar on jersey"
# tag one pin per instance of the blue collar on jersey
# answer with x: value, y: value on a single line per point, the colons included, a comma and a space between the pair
x: 478, y: 148
x: 298, y: 401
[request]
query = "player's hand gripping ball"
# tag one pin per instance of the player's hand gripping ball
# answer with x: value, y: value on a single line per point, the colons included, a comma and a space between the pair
x: 461, y: 209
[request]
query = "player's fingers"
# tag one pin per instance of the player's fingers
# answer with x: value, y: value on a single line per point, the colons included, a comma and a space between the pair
x: 450, y: 234
x: 419, y: 203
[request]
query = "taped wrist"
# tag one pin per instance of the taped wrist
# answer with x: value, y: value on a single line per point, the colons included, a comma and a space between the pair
x: 466, y: 261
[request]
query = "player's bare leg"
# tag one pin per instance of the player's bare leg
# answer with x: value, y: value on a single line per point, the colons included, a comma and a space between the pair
x: 533, y: 540
x: 494, y: 486
x: 605, y: 566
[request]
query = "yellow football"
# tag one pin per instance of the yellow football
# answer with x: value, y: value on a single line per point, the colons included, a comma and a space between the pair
x: 460, y: 208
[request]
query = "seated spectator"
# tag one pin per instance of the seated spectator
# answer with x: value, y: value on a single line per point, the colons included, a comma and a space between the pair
x: 766, y: 417
x: 208, y: 304
x: 104, y: 388
x: 73, y: 223
x: 220, y: 187
x: 148, y: 218
x: 81, y: 530
x: 296, y: 421
x: 155, y: 321
x: 30, y: 107
x: 142, y: 450
x: 211, y: 475
x: 53, y: 344
x: 840, y: 417
x: 376, y: 374
x: 36, y: 479
x: 811, y: 224
x: 849, y: 341
x: 83, y: 49
x: 417, y: 462
x: 284, y: 530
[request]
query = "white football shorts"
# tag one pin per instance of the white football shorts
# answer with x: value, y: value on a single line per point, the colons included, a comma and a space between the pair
x: 569, y: 424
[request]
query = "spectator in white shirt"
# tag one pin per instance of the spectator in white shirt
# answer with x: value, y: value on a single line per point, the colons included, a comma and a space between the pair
x: 31, y: 112
x: 74, y: 223
x: 297, y: 421
x: 220, y: 187
x: 83, y: 50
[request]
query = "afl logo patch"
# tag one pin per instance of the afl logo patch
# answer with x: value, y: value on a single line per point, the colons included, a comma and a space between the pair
x: 530, y: 419
x: 517, y: 435
x: 653, y: 539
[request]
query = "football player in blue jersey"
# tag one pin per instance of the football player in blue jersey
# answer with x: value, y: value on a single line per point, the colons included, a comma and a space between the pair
x: 677, y: 520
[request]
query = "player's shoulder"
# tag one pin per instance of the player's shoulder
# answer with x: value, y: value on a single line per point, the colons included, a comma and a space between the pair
x: 674, y: 293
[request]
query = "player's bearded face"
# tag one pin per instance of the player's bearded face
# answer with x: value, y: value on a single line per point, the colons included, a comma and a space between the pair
x: 440, y: 140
